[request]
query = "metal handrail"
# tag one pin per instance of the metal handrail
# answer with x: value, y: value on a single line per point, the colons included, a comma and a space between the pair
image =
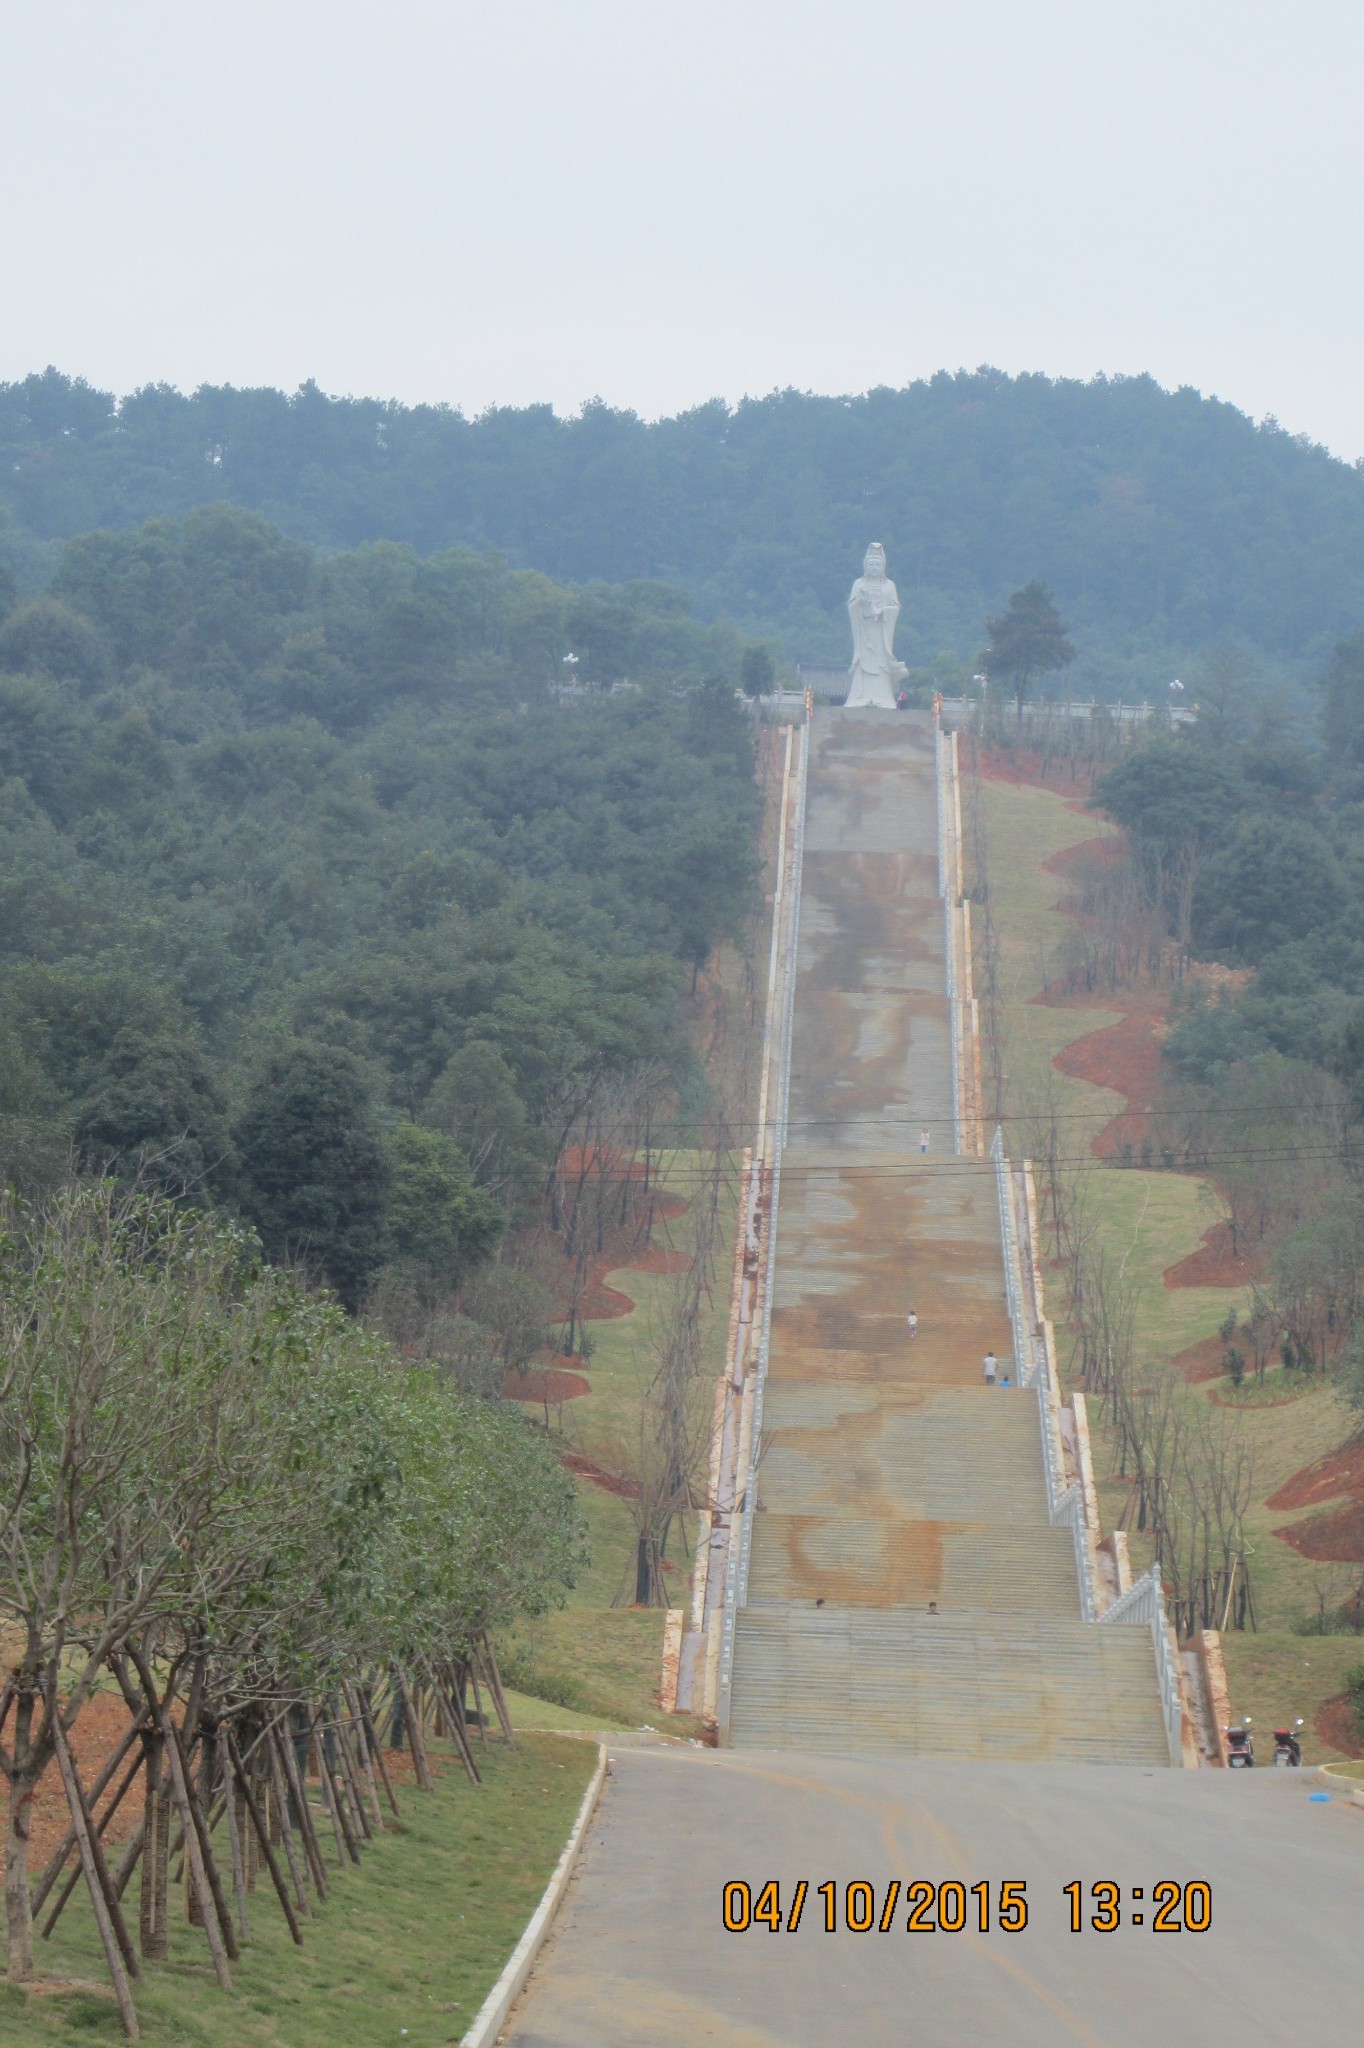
x: 946, y: 892
x: 1025, y: 1364
x: 1144, y: 1601
x: 736, y: 1570
x: 1138, y: 1602
x: 1065, y: 1501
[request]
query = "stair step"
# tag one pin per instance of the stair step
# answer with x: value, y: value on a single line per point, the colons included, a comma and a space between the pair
x: 858, y: 1560
x: 863, y: 1681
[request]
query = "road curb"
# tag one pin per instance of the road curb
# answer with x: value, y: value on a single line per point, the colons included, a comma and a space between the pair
x: 492, y: 2015
x: 1351, y: 1789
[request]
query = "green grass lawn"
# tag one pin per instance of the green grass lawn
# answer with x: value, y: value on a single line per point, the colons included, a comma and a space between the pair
x: 405, y: 1948
x: 1275, y: 1677
x: 529, y: 1713
x: 612, y: 1657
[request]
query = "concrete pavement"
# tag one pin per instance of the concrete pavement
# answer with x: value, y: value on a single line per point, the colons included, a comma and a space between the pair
x: 640, y: 1958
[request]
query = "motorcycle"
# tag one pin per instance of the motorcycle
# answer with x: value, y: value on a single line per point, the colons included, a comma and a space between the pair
x: 1287, y: 1748
x: 1240, y: 1748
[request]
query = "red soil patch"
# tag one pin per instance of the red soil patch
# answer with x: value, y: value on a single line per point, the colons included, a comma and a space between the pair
x: 552, y: 1387
x: 1336, y: 1725
x: 1330, y: 1539
x: 1215, y: 1264
x: 1126, y: 1058
x: 609, y: 1482
x: 657, y: 1259
x: 1108, y: 851
x: 1337, y: 1537
x: 600, y: 1162
x: 1201, y: 1361
x: 600, y: 1302
x: 1022, y: 766
x: 100, y: 1727
x: 1341, y: 1473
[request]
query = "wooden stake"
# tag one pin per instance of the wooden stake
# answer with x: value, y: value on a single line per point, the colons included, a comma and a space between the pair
x: 235, y: 1846
x: 115, y: 1944
x: 57, y: 1862
x: 74, y: 1876
x: 134, y: 1848
x: 286, y: 1827
x: 351, y: 1771
x: 376, y: 1751
x: 257, y: 1819
x: 461, y: 1740
x: 412, y: 1723
x: 345, y: 1841
x: 495, y: 1688
x: 293, y: 1778
x: 153, y: 1934
x: 213, y: 1932
x: 478, y: 1705
x: 199, y: 1822
x: 364, y: 1755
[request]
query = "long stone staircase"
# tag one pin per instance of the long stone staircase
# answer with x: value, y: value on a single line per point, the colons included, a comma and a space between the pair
x: 890, y: 1475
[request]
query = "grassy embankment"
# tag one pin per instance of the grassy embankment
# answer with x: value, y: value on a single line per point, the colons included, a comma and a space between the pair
x: 407, y: 1946
x: 1156, y: 1219
x: 602, y: 1654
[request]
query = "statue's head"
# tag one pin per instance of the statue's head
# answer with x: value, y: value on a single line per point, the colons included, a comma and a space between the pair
x: 874, y: 562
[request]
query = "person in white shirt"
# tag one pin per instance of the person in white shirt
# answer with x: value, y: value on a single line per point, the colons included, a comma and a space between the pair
x: 991, y: 1368
x: 913, y: 1326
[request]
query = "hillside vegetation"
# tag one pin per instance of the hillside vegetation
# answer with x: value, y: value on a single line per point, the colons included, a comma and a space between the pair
x: 1166, y: 523
x: 316, y: 901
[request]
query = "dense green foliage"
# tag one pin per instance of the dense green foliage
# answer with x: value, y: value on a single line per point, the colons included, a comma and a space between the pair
x: 298, y: 854
x: 1165, y: 523
x: 1027, y: 641
x: 206, y: 1468
x: 1264, y: 843
x: 194, y: 1442
x: 1249, y: 851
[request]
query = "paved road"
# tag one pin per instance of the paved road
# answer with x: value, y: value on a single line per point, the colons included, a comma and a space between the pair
x: 639, y: 1958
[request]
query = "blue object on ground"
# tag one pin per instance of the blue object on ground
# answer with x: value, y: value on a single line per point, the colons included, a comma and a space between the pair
x: 1319, y: 1798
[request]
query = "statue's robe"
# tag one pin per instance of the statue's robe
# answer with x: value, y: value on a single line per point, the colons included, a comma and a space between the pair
x: 875, y: 675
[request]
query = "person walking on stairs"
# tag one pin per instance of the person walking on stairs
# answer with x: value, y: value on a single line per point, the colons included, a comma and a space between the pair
x: 991, y: 1368
x: 923, y: 1139
x: 913, y: 1326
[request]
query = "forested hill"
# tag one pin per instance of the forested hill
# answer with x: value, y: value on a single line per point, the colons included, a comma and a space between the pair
x: 1167, y: 524
x: 308, y: 901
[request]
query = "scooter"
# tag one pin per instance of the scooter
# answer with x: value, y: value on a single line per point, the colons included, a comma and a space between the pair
x: 1287, y: 1748
x: 1240, y: 1748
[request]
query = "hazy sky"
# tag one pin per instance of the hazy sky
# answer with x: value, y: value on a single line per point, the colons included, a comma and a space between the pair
x: 521, y: 201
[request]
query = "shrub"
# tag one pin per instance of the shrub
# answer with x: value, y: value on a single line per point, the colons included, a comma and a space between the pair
x: 1354, y: 1693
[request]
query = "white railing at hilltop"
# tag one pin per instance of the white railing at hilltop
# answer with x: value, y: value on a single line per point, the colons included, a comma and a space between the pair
x: 1145, y: 1602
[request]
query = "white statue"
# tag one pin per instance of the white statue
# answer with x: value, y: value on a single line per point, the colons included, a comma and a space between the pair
x: 873, y: 608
